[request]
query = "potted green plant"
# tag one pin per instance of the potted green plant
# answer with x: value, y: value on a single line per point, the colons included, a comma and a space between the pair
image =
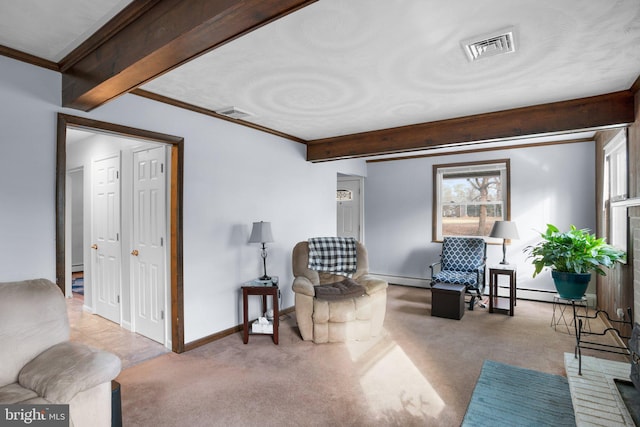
x: 572, y: 255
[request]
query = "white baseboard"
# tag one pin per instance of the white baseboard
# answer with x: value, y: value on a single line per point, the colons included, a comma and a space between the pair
x: 127, y: 325
x: 547, y: 296
x: 87, y: 309
x: 406, y: 281
x: 530, y: 294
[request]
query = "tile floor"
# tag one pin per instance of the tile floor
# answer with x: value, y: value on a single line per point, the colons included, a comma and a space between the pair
x: 98, y: 332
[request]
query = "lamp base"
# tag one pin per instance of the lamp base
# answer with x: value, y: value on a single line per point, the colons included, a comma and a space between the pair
x: 504, y: 252
x: 265, y: 277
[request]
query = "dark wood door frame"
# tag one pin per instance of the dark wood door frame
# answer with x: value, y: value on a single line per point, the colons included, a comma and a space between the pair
x: 175, y: 189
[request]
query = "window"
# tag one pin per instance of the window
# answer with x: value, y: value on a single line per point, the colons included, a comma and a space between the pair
x: 615, y: 190
x: 469, y: 197
x: 344, y: 195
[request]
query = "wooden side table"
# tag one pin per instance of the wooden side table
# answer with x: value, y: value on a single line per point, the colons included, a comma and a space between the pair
x: 497, y: 303
x: 264, y: 291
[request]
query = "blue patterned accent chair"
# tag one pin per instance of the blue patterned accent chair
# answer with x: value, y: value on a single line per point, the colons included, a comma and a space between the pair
x: 462, y: 262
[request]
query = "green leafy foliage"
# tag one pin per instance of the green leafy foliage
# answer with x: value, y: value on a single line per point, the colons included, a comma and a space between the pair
x: 573, y: 251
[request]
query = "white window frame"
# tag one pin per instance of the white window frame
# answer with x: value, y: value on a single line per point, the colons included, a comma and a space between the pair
x: 615, y: 194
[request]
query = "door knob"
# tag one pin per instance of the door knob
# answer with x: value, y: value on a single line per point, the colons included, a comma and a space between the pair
x: 94, y: 246
x: 134, y: 252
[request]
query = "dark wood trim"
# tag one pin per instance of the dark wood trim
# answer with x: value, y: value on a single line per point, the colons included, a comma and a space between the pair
x: 455, y: 152
x: 211, y: 338
x: 507, y: 216
x: 434, y: 204
x: 28, y: 58
x: 176, y: 215
x: 635, y: 87
x: 219, y: 335
x: 168, y: 34
x: 595, y: 112
x: 85, y: 123
x: 61, y: 182
x: 176, y: 266
x: 434, y: 195
x: 211, y: 113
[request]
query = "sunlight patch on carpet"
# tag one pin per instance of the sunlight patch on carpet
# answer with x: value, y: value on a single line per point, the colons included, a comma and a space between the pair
x: 391, y: 382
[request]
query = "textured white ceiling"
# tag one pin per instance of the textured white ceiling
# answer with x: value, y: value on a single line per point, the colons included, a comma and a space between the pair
x: 50, y: 29
x: 345, y: 66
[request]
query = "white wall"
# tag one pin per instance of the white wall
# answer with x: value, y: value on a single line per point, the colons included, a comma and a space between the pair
x: 549, y: 184
x: 28, y: 100
x: 233, y: 176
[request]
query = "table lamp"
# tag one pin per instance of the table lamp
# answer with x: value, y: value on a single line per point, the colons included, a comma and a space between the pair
x: 504, y: 230
x: 261, y: 233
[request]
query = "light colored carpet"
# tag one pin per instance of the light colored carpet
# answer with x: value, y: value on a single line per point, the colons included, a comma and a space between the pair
x: 506, y: 395
x: 422, y: 371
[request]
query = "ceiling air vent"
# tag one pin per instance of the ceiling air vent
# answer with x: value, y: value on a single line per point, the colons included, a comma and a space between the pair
x: 488, y: 45
x: 233, y: 113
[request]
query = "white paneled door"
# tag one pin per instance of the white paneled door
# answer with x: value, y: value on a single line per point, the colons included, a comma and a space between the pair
x: 106, y: 259
x: 148, y: 274
x: 348, y: 201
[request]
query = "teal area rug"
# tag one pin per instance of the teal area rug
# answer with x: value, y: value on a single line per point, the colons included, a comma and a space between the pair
x: 506, y: 395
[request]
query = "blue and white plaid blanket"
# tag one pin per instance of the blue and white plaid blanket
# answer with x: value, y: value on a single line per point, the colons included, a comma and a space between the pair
x: 336, y: 255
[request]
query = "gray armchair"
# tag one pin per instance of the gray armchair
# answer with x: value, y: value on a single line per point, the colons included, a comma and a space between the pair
x: 39, y: 363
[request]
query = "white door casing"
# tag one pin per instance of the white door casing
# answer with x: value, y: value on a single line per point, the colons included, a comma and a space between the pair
x: 106, y: 259
x: 349, y: 208
x: 148, y: 253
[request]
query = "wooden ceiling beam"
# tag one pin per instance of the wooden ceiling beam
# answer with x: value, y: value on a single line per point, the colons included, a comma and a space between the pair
x: 168, y: 34
x: 586, y: 113
x: 635, y: 87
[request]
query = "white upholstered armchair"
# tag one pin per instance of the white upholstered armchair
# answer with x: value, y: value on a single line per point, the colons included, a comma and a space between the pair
x: 39, y: 363
x: 343, y: 312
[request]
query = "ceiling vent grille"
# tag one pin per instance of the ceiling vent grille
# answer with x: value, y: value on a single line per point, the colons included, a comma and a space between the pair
x: 488, y: 45
x: 233, y: 112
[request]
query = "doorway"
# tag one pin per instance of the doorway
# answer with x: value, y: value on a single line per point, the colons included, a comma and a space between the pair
x: 75, y: 188
x: 349, y: 207
x: 174, y: 213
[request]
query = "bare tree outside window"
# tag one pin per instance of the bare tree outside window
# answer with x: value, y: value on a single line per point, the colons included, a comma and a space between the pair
x: 469, y: 198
